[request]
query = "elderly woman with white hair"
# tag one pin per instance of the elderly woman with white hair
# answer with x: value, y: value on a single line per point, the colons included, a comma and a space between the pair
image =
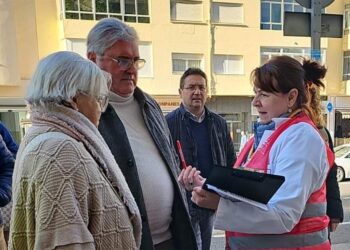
x: 69, y: 192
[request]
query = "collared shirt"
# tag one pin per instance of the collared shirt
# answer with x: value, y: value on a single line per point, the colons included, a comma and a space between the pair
x: 195, y: 118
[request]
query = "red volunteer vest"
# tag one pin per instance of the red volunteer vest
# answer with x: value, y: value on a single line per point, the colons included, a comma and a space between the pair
x: 310, y: 225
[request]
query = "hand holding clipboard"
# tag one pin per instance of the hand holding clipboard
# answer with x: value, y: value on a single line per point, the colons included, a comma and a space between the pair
x: 237, y: 184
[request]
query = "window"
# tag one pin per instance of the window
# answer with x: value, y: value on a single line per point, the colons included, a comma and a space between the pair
x: 182, y: 61
x: 347, y: 19
x: 267, y: 53
x: 272, y: 12
x: 77, y: 46
x: 186, y: 10
x: 135, y: 11
x: 145, y: 48
x: 228, y: 64
x: 346, y: 66
x: 227, y: 13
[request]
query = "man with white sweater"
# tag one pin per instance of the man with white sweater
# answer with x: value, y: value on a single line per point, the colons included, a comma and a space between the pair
x: 137, y: 134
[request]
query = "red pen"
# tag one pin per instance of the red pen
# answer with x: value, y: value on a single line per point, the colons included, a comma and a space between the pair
x: 182, y: 158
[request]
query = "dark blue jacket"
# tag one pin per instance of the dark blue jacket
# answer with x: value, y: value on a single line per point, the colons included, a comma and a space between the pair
x: 8, y: 151
x: 220, y: 139
x: 6, y: 168
x: 8, y: 139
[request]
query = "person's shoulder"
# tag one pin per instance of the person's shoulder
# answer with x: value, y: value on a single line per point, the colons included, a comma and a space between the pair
x: 149, y: 100
x: 54, y: 144
x: 55, y: 149
x: 4, y: 151
x: 3, y: 130
x: 216, y: 116
x: 172, y: 114
x: 147, y: 96
x: 2, y: 126
x: 304, y: 131
x: 140, y: 94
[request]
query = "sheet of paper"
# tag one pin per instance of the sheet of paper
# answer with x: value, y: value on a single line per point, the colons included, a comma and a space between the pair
x: 233, y: 197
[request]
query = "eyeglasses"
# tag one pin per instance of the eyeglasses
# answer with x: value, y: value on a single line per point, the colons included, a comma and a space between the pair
x: 193, y: 88
x: 102, y: 100
x: 125, y: 63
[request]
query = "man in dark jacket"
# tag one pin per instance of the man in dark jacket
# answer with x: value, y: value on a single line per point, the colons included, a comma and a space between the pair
x: 205, y: 140
x: 137, y: 134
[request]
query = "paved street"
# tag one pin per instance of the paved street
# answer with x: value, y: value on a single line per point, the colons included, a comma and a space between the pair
x: 340, y: 239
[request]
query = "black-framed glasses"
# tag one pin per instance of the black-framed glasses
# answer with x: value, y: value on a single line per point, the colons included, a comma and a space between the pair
x: 193, y: 88
x: 125, y: 63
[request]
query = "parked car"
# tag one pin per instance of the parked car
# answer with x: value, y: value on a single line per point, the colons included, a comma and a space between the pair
x: 342, y: 159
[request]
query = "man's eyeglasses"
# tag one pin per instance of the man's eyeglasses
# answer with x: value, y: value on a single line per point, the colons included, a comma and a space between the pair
x: 193, y: 88
x: 125, y: 63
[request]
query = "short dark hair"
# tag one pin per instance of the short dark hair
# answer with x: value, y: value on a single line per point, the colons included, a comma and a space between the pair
x: 192, y: 71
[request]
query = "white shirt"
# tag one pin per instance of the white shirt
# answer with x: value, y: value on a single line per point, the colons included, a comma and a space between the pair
x: 156, y: 183
x: 299, y: 154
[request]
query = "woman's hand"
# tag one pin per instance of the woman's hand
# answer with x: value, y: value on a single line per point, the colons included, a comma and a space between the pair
x: 333, y: 224
x: 190, y: 178
x: 204, y: 198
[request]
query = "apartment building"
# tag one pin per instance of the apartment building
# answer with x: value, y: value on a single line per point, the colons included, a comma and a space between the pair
x: 226, y: 38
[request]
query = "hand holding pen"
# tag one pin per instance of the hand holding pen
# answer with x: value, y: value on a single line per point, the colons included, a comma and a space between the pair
x: 189, y: 176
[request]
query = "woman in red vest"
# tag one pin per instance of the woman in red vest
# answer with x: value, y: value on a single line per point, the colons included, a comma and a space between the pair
x: 286, y: 142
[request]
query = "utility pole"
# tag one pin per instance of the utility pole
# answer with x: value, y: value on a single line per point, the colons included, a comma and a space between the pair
x: 316, y: 30
x: 313, y: 24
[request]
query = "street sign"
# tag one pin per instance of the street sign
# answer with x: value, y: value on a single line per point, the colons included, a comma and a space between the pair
x: 316, y: 54
x: 329, y: 107
x: 304, y: 3
x: 299, y: 24
x: 332, y: 25
x: 296, y: 24
x: 307, y: 3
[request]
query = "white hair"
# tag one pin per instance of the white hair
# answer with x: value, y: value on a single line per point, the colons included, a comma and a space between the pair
x: 107, y: 32
x: 59, y: 76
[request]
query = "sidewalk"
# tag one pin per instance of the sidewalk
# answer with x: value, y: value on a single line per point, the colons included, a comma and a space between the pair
x: 218, y: 242
x: 341, y: 246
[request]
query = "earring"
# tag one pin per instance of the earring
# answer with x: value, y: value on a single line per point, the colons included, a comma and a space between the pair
x: 290, y: 110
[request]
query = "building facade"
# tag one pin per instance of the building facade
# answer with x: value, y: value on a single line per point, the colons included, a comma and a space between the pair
x: 226, y: 38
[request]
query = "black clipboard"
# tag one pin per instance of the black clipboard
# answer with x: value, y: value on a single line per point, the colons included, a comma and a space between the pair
x: 255, y: 186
